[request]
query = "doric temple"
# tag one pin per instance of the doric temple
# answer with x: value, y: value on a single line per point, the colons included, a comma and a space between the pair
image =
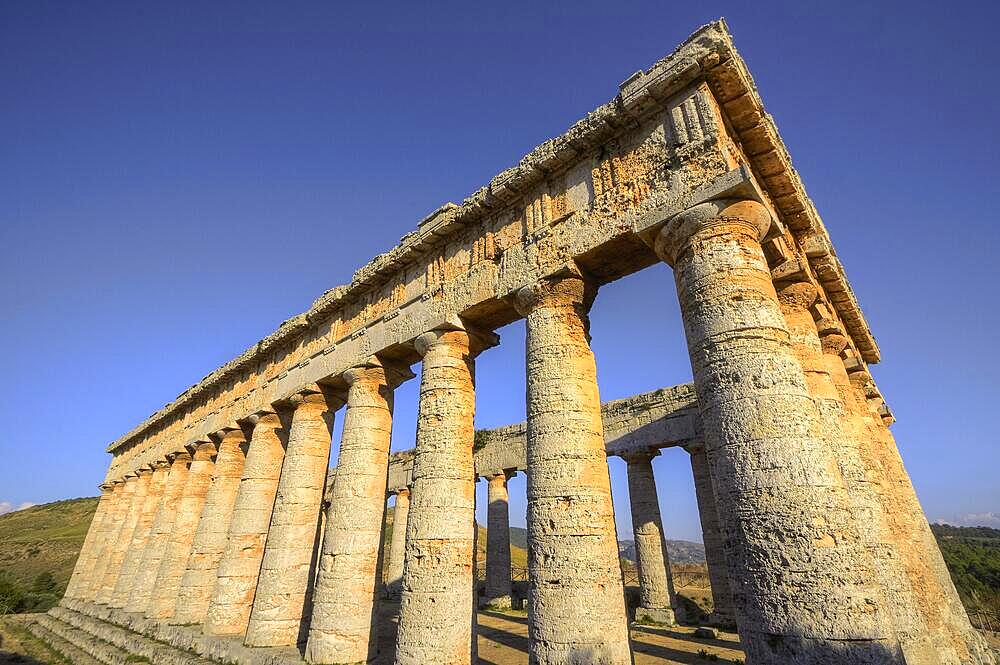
x: 221, y: 536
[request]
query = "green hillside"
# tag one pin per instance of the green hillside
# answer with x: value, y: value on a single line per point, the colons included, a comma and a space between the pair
x: 973, y: 558
x: 38, y: 549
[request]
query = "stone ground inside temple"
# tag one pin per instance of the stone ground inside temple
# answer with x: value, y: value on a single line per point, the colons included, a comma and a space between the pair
x: 503, y: 640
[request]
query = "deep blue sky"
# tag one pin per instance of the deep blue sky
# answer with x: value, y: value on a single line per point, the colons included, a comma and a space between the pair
x: 176, y: 180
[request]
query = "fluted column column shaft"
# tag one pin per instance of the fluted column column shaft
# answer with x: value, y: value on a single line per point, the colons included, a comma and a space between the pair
x: 105, y: 541
x: 933, y: 592
x: 435, y: 623
x: 854, y: 457
x: 576, y: 607
x: 397, y: 548
x: 140, y: 535
x: 344, y: 614
x: 804, y: 579
x: 656, y: 588
x: 711, y: 534
x: 210, y: 540
x: 284, y: 590
x: 178, y: 548
x: 85, y: 560
x: 498, y: 542
x: 135, y: 489
x: 159, y: 534
x: 236, y: 581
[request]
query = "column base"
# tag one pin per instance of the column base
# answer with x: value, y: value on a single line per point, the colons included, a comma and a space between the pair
x: 655, y: 615
x: 497, y: 603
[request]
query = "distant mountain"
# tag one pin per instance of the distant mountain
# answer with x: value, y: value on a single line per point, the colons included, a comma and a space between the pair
x: 679, y: 551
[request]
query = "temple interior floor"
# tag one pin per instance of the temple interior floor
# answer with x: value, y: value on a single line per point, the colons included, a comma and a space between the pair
x: 503, y: 640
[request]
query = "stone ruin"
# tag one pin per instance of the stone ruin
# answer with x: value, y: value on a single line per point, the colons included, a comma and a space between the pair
x: 207, y: 545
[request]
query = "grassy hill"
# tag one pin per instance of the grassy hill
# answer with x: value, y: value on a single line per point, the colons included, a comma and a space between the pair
x: 38, y: 549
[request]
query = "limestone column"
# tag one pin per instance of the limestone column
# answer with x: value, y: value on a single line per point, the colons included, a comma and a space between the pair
x: 284, y: 590
x: 435, y: 622
x: 576, y: 608
x: 857, y: 467
x: 723, y: 613
x: 210, y: 540
x: 803, y: 581
x: 178, y: 548
x: 344, y: 612
x: 932, y: 592
x: 135, y: 489
x: 105, y: 541
x: 85, y: 560
x: 159, y: 534
x: 657, y: 600
x: 397, y: 548
x: 236, y: 582
x: 140, y: 536
x: 498, y: 543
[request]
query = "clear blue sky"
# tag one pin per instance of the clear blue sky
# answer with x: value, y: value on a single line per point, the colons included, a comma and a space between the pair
x: 177, y: 179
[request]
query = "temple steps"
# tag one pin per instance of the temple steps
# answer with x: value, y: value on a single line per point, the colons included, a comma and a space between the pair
x: 158, y: 642
x: 54, y: 638
x: 110, y: 644
x: 75, y: 645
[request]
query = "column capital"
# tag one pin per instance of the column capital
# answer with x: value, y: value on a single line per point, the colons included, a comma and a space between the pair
x: 640, y: 456
x: 402, y: 491
x: 202, y: 449
x: 144, y: 471
x: 375, y: 370
x: 832, y: 343
x: 315, y: 395
x: 160, y: 464
x: 798, y: 296
x: 179, y: 457
x: 228, y: 432
x: 456, y: 333
x: 676, y: 233
x: 267, y: 417
x: 569, y: 287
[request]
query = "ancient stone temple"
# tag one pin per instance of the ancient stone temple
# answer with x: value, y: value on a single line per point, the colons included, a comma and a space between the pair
x: 220, y: 537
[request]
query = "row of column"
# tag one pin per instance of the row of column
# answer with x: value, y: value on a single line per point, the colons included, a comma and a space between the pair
x: 805, y: 480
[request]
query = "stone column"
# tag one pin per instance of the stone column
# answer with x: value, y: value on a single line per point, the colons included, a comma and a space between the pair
x: 105, y: 542
x: 804, y: 581
x: 857, y: 466
x: 178, y: 548
x: 85, y: 560
x: 236, y: 582
x: 344, y: 613
x: 498, y: 543
x: 284, y: 590
x: 723, y: 613
x: 135, y: 489
x: 140, y: 536
x: 933, y: 597
x: 576, y: 607
x: 397, y: 548
x: 435, y: 622
x: 657, y: 601
x: 159, y: 534
x: 210, y: 540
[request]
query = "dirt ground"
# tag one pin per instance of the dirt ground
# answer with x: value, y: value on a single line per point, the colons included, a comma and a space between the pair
x: 503, y: 640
